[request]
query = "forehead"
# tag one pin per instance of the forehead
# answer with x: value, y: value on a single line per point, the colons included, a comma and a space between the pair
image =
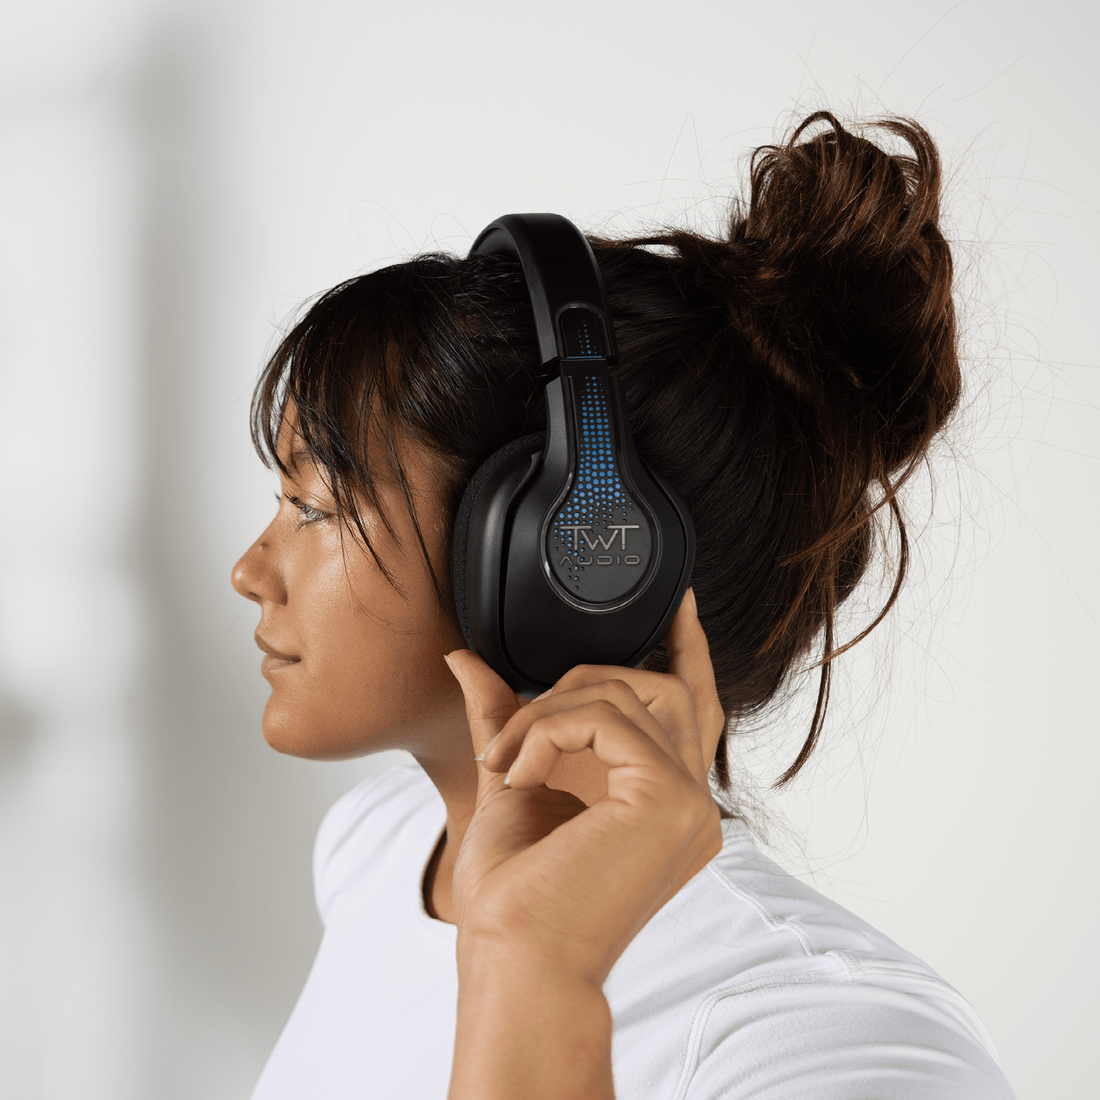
x: 423, y: 471
x: 291, y: 448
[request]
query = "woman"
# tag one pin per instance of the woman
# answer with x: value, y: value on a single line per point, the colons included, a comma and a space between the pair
x: 553, y: 903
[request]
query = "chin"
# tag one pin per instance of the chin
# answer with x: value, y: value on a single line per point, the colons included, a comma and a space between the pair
x: 312, y: 748
x: 305, y: 736
x: 298, y: 736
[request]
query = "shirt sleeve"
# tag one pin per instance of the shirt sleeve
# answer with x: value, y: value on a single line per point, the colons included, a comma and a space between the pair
x: 826, y: 1041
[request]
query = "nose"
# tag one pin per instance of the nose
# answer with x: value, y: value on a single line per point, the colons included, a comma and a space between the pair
x: 256, y: 575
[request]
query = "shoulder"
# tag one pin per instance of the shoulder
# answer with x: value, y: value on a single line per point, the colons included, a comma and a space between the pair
x: 766, y: 921
x: 777, y: 982
x: 369, y: 828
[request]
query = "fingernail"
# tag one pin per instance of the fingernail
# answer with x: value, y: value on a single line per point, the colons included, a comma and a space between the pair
x: 542, y: 696
x: 480, y: 758
x: 508, y: 780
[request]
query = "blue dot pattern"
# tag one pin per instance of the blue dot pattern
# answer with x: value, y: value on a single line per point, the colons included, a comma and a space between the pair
x: 587, y: 346
x: 597, y: 501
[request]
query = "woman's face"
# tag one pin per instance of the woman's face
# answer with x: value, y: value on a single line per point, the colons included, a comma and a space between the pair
x: 354, y: 667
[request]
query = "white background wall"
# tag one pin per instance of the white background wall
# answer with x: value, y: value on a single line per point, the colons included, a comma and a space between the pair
x: 177, y: 177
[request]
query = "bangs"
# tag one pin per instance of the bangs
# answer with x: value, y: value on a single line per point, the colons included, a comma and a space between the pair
x: 351, y: 367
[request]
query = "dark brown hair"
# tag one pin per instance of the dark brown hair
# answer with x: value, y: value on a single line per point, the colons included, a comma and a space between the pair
x: 786, y: 378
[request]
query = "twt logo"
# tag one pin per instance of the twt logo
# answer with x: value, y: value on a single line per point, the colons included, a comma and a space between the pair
x: 618, y: 531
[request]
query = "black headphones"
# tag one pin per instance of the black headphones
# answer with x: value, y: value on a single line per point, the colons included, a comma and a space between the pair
x: 566, y: 549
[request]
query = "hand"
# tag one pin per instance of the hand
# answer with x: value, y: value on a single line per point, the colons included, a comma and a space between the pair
x: 543, y: 877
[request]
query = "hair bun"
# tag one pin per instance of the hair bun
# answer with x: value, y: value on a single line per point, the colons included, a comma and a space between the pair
x: 837, y: 192
x: 852, y: 281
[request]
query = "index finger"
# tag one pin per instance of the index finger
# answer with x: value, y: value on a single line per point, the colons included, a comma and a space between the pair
x: 689, y: 658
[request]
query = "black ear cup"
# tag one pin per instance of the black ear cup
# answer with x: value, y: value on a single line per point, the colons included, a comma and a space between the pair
x: 518, y: 453
x: 513, y: 607
x: 566, y: 548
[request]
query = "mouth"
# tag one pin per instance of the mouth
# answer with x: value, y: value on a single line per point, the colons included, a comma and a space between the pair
x: 275, y: 658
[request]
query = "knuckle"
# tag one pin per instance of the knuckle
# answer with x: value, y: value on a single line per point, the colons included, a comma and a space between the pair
x: 539, y: 725
x: 606, y: 706
x: 675, y: 689
x: 679, y: 686
x: 700, y: 817
x: 683, y: 807
x: 577, y: 676
x: 570, y: 678
x: 620, y: 688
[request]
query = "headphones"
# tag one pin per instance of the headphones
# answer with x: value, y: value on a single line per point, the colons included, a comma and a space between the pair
x: 566, y: 549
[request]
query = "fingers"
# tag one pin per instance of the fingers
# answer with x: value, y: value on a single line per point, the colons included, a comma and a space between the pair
x: 679, y: 711
x: 617, y: 697
x: 684, y: 702
x: 615, y: 739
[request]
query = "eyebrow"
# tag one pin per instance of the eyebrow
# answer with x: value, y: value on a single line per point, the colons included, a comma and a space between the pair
x: 300, y: 456
x: 296, y: 457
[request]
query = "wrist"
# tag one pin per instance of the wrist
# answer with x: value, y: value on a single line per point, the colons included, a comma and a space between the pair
x: 503, y: 959
x: 485, y: 965
x: 527, y: 1027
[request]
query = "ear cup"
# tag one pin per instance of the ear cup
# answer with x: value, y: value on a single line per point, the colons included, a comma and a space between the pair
x: 518, y: 450
x: 543, y: 576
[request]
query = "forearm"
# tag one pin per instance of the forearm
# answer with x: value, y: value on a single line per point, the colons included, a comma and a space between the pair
x: 526, y: 1029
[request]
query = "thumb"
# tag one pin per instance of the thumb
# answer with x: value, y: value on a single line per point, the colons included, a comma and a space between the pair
x: 490, y: 702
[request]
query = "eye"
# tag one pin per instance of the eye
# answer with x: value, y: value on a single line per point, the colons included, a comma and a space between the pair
x: 308, y: 513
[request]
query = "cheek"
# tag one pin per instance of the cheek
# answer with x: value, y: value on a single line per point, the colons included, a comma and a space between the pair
x: 371, y: 675
x: 333, y: 698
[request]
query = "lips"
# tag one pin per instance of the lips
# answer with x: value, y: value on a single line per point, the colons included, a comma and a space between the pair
x: 271, y: 651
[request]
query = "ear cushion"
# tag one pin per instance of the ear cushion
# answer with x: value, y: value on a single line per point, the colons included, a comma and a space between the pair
x: 460, y: 538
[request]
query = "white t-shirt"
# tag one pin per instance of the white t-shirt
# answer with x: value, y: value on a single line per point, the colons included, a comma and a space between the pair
x: 747, y: 985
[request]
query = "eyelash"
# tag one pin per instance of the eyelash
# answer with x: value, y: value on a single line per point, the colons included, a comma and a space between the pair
x: 308, y: 512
